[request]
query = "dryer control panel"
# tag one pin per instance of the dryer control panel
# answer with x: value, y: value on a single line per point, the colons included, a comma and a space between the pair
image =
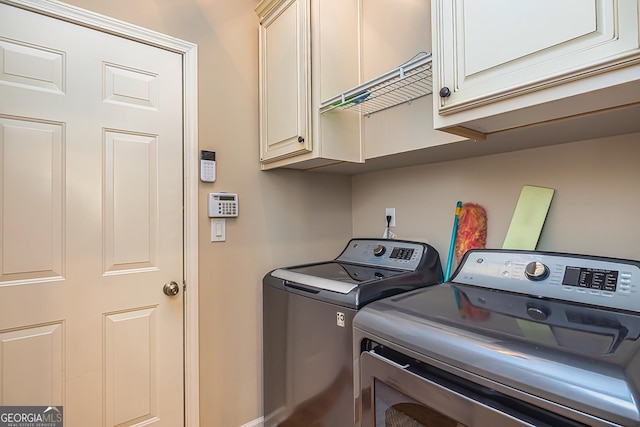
x: 600, y: 281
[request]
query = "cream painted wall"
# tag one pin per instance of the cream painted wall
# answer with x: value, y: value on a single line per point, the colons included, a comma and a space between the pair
x: 286, y: 217
x: 594, y: 209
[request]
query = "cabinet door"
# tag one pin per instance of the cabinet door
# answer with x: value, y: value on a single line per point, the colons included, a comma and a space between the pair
x: 284, y: 81
x: 496, y: 49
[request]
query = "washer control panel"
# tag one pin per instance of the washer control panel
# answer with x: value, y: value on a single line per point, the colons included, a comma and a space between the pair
x: 607, y: 282
x: 384, y: 253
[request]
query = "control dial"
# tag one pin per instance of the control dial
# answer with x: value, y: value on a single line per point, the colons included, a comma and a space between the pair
x: 536, y: 271
x: 379, y: 250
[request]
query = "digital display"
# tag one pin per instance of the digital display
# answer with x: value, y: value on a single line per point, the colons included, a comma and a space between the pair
x: 401, y: 253
x: 207, y: 155
x: 227, y: 198
x: 591, y: 278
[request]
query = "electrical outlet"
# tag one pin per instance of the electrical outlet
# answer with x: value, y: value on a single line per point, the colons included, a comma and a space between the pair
x: 392, y: 212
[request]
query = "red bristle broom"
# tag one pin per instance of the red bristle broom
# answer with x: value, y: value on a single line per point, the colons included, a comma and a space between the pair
x: 471, y: 234
x: 472, y: 229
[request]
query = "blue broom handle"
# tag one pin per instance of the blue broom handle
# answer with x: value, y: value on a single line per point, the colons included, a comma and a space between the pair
x: 454, y: 232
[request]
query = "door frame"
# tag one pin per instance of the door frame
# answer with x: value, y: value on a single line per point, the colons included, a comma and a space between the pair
x: 189, y: 53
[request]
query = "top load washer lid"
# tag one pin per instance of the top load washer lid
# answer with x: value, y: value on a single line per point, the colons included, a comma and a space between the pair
x: 366, y: 270
x: 578, y: 355
x: 334, y: 276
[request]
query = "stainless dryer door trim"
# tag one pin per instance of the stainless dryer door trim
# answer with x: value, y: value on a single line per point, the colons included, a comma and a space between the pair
x: 465, y: 411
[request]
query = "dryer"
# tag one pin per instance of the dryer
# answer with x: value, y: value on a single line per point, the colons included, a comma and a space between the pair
x: 515, y: 338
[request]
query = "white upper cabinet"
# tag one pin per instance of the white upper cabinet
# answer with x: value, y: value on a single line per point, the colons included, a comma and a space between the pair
x: 307, y: 49
x: 285, y: 87
x: 502, y: 64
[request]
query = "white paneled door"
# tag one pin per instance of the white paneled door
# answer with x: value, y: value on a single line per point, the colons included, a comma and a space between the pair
x: 91, y: 223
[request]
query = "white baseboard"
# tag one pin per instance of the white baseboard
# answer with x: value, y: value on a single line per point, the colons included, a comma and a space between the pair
x: 258, y: 422
x: 275, y: 417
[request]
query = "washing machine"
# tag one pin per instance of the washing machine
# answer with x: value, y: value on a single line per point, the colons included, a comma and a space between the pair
x: 308, y: 312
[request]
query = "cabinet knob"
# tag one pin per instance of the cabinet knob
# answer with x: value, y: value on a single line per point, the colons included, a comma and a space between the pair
x: 445, y: 92
x: 300, y: 139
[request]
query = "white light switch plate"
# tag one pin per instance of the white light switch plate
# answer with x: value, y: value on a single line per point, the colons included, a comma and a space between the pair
x: 218, y: 229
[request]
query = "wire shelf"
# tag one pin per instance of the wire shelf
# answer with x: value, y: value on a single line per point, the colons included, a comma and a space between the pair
x: 412, y: 80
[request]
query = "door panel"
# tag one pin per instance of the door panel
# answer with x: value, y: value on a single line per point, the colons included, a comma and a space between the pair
x: 130, y: 200
x: 40, y: 373
x: 32, y: 238
x: 35, y: 67
x: 131, y: 366
x: 91, y: 222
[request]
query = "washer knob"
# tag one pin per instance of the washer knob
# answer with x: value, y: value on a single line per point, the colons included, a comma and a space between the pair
x: 536, y: 271
x: 379, y: 250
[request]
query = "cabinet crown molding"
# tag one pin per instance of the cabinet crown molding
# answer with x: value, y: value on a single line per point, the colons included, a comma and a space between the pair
x: 266, y: 6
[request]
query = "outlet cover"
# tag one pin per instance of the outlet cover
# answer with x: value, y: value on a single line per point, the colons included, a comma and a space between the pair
x: 392, y: 212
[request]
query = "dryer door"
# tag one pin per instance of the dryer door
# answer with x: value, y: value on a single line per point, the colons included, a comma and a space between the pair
x: 397, y: 393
